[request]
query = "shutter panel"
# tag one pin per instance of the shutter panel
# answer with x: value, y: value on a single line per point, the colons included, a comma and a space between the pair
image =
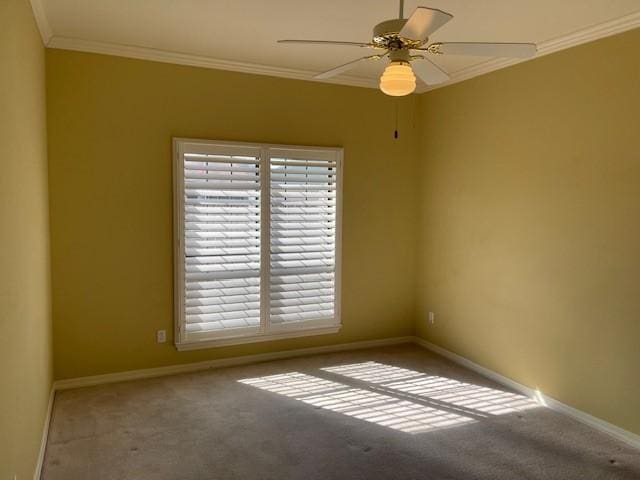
x: 257, y: 241
x: 221, y: 242
x: 303, y: 189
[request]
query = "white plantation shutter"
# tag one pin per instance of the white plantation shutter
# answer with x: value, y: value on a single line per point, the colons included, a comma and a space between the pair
x: 257, y: 237
x: 303, y: 236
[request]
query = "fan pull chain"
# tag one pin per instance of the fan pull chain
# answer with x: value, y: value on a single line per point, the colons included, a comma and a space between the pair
x: 395, y: 133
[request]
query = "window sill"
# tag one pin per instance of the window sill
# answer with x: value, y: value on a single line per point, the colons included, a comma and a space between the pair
x: 223, y: 342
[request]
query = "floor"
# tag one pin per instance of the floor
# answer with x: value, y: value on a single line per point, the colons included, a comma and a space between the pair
x: 386, y: 413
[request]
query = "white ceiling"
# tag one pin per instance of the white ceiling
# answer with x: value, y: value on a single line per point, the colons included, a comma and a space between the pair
x: 242, y: 34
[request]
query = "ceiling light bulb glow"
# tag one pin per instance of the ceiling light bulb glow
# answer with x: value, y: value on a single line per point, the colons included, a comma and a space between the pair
x: 398, y: 79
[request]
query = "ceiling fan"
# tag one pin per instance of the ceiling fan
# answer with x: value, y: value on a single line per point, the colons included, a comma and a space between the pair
x: 405, y: 42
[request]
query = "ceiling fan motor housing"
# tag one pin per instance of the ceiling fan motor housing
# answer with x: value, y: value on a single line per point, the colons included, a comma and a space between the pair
x: 387, y: 35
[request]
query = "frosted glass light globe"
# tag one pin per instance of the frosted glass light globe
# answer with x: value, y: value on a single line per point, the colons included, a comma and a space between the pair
x: 398, y: 79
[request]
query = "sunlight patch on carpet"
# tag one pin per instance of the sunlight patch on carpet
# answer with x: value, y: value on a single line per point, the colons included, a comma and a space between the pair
x: 385, y: 410
x: 482, y: 400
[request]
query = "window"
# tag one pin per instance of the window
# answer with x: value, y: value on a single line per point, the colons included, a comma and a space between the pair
x: 257, y: 242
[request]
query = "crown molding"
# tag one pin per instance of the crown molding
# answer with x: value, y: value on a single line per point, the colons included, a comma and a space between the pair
x: 143, y: 53
x: 41, y: 20
x: 578, y: 37
x: 584, y: 35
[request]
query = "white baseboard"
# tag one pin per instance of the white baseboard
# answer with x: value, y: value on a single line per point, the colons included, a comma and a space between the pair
x: 485, y: 372
x: 45, y: 436
x: 222, y: 362
x: 597, y: 423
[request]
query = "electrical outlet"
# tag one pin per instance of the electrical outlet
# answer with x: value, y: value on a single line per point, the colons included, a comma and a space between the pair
x: 432, y: 318
x: 161, y: 336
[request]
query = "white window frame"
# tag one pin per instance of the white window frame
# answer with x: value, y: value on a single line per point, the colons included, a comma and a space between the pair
x: 266, y: 331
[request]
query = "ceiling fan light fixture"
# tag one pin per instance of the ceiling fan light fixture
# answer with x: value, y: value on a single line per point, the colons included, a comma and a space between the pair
x: 398, y: 79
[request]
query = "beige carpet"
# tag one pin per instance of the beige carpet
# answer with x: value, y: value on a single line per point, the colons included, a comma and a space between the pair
x: 389, y: 413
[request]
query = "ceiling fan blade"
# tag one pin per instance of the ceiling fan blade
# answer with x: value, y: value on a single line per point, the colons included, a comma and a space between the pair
x: 423, y: 22
x: 328, y: 42
x: 343, y: 68
x: 480, y: 49
x: 429, y: 72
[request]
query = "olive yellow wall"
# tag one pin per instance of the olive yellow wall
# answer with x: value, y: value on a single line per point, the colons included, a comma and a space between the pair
x: 530, y: 224
x: 25, y: 307
x: 111, y: 121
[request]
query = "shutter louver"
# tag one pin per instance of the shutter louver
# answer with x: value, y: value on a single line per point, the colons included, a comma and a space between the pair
x: 303, y: 239
x: 221, y: 242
